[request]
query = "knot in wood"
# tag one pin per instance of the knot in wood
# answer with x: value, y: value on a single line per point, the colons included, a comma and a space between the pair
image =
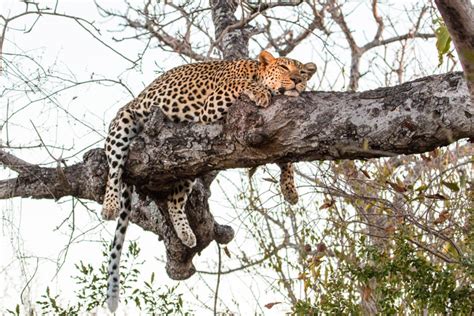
x: 254, y: 139
x: 223, y: 234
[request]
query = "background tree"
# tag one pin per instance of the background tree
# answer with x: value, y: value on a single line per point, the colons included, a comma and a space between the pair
x: 402, y: 222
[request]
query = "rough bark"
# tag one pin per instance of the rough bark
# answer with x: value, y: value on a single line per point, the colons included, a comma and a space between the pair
x: 458, y: 15
x: 231, y: 36
x: 415, y: 117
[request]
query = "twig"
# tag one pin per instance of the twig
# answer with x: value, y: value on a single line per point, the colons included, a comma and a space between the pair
x: 59, y: 161
x: 219, y: 267
x: 42, y: 142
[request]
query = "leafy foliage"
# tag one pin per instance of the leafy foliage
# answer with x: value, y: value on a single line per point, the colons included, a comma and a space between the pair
x: 390, y: 237
x: 92, y: 281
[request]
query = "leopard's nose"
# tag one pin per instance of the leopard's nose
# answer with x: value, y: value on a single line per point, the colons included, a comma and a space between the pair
x: 296, y: 79
x: 281, y: 90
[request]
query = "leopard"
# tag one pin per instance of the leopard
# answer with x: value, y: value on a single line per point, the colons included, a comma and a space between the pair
x: 198, y: 93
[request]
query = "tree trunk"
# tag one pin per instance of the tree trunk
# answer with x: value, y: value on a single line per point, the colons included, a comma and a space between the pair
x: 458, y: 15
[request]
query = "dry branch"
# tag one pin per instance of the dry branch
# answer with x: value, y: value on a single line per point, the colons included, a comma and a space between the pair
x: 414, y: 117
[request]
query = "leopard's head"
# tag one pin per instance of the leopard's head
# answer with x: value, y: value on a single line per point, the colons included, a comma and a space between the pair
x: 283, y: 75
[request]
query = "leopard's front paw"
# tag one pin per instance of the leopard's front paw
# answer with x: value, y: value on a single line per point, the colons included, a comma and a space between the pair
x: 187, y: 237
x: 290, y: 194
x: 292, y: 93
x: 263, y: 98
x: 110, y: 209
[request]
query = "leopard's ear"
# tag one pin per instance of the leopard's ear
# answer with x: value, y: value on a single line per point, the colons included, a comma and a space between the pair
x: 309, y: 69
x: 265, y: 58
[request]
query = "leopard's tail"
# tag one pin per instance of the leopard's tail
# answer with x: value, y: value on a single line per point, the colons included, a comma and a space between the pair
x: 113, y: 280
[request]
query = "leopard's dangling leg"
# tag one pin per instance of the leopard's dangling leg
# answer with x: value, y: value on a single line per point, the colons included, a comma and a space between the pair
x: 113, y: 276
x: 287, y: 182
x: 121, y: 132
x: 176, y: 204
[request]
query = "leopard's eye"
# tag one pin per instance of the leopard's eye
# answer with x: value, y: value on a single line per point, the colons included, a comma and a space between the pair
x: 284, y: 67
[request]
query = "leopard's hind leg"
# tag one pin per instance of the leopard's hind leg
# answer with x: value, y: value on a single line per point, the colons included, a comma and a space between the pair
x: 287, y: 182
x: 121, y: 131
x: 176, y: 203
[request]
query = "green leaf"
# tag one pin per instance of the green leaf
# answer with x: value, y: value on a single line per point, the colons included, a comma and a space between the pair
x: 451, y: 185
x: 422, y: 187
x: 137, y: 303
x: 443, y: 41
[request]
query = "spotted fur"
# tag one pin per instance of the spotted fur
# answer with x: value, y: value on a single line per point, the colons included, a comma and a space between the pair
x: 200, y: 93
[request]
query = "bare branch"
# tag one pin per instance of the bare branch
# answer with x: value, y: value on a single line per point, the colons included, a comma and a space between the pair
x: 413, y: 33
x: 286, y: 42
x: 267, y: 6
x: 151, y: 26
x: 336, y: 13
x: 14, y: 163
x: 397, y: 39
x: 356, y: 51
x: 83, y: 23
x: 379, y: 20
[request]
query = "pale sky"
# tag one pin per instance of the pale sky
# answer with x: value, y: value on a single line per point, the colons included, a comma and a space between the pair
x: 76, y: 119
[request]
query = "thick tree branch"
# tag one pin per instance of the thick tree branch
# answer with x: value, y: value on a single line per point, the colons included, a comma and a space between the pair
x: 14, y: 163
x: 411, y: 118
x: 86, y: 180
